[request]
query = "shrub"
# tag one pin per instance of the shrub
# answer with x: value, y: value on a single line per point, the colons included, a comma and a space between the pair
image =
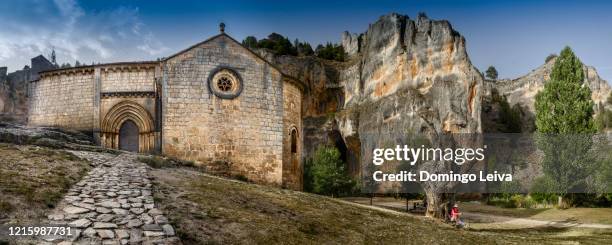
x: 542, y: 190
x: 516, y: 201
x: 508, y: 189
x: 327, y: 173
x: 529, y: 202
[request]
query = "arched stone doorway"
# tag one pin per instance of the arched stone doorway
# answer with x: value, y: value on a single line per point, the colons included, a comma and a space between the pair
x: 128, y: 126
x: 128, y: 136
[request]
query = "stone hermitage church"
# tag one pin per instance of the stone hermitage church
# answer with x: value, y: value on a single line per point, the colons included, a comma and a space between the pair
x: 217, y: 103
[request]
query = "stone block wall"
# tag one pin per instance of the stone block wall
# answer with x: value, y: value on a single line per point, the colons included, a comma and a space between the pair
x: 292, y: 148
x: 243, y: 135
x: 63, y: 99
x: 128, y: 79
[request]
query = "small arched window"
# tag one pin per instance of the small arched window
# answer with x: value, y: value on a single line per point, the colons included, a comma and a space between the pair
x: 294, y: 140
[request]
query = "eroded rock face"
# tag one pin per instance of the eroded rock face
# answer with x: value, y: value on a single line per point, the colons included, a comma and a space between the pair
x: 523, y: 90
x: 412, y: 77
x: 403, y: 77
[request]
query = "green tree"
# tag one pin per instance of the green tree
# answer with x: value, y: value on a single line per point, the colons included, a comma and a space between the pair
x: 278, y: 44
x: 491, y: 73
x: 328, y: 174
x: 250, y: 42
x: 331, y: 52
x: 304, y: 49
x: 564, y: 121
x: 565, y: 105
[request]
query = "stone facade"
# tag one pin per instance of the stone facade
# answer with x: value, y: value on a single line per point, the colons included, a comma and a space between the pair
x: 292, y: 134
x: 64, y: 99
x: 216, y: 103
x: 243, y: 134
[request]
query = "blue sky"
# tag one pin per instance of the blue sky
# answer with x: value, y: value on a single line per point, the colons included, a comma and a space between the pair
x: 514, y: 36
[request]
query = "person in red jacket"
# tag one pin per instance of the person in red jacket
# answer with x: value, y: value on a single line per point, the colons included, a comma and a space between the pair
x: 455, y: 214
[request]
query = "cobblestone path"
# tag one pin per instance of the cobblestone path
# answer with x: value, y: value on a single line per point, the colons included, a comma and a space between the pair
x: 112, y: 204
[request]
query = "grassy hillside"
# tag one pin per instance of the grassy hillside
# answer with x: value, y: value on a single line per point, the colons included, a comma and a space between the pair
x: 33, y: 179
x: 206, y: 209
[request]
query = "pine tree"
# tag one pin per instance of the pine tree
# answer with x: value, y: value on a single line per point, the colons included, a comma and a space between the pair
x: 329, y: 176
x: 53, y: 57
x: 491, y: 73
x: 565, y: 105
x: 564, y: 121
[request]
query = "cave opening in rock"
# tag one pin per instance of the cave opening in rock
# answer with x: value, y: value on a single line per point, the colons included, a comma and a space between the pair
x: 349, y: 151
x: 338, y: 141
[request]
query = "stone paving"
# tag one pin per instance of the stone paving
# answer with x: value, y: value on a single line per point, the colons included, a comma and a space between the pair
x: 112, y: 204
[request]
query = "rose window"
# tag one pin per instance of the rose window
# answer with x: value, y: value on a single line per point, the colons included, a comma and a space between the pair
x: 225, y: 83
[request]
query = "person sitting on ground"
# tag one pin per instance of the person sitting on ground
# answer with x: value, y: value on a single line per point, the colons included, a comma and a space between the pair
x: 455, y: 214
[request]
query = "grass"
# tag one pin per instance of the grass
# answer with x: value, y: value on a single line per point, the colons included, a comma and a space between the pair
x: 213, y: 210
x: 208, y: 209
x: 581, y: 215
x: 34, y: 179
x: 165, y: 162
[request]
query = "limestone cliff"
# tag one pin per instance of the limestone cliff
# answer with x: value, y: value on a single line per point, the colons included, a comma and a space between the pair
x: 522, y: 91
x: 412, y: 79
x: 403, y: 77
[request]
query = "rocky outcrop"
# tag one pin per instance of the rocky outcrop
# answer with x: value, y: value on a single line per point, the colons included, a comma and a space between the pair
x: 48, y: 137
x: 321, y: 77
x: 522, y: 91
x: 403, y: 77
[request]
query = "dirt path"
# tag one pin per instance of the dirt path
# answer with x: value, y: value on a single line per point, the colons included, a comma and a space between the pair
x: 112, y: 204
x: 493, y: 220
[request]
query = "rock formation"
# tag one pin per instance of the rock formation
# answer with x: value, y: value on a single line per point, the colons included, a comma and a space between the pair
x: 522, y: 91
x: 404, y: 77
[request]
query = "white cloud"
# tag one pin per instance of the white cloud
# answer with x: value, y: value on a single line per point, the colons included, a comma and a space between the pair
x: 75, y: 34
x: 152, y: 46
